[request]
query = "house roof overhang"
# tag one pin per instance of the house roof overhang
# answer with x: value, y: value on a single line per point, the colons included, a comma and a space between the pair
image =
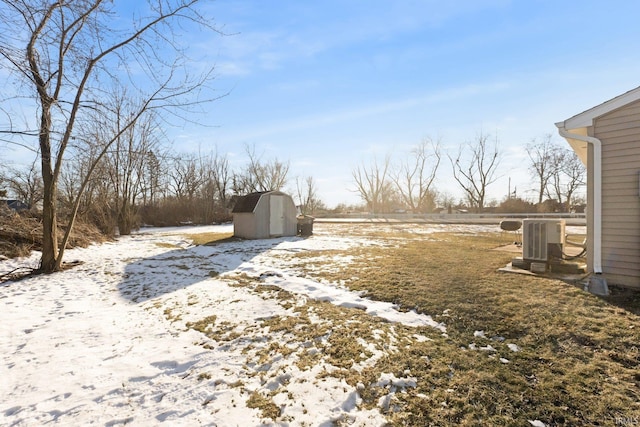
x: 579, y: 146
x: 580, y: 123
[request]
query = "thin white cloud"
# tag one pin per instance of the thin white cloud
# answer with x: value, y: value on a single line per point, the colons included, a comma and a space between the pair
x: 362, y: 111
x: 233, y: 68
x: 261, y: 44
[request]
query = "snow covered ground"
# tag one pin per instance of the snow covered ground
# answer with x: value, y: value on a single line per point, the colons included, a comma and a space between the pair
x: 109, y: 341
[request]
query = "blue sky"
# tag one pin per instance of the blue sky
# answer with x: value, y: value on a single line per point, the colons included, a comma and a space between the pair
x: 330, y: 85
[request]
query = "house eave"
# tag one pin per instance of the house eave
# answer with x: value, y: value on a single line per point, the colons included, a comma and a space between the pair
x: 579, y: 146
x: 586, y: 118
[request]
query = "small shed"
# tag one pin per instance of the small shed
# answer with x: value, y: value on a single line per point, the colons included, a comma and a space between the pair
x: 265, y: 214
x: 607, y: 140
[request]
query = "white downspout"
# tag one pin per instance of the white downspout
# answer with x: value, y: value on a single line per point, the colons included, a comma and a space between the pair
x: 597, y: 192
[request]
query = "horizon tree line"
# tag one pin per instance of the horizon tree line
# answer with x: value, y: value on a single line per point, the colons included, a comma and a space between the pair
x: 89, y: 94
x: 409, y: 183
x: 140, y: 181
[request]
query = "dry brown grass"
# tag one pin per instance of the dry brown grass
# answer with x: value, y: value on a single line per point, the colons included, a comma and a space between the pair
x: 267, y: 408
x: 578, y: 362
x: 211, y: 238
x: 20, y: 234
x: 579, y: 354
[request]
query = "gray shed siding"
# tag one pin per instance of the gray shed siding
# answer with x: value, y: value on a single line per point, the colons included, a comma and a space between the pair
x: 619, y: 132
x: 256, y: 224
x: 244, y: 225
x: 290, y: 212
x: 262, y: 217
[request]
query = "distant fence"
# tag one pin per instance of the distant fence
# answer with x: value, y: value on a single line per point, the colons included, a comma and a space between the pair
x: 457, y: 218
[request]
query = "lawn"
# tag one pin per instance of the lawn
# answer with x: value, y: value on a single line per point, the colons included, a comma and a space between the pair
x: 359, y: 325
x: 576, y: 358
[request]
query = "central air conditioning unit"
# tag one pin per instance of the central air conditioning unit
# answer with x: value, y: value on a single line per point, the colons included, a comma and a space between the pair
x: 542, y: 239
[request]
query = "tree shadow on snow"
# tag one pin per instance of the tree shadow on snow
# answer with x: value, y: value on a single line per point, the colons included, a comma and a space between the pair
x: 147, y: 278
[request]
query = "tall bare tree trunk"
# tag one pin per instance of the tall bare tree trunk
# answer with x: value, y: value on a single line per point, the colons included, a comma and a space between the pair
x: 49, y: 260
x: 125, y: 218
x: 63, y: 50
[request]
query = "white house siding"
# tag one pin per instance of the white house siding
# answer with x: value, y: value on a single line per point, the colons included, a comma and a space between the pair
x: 619, y: 132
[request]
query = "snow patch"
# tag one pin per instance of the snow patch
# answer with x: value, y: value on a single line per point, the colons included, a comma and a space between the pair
x: 513, y: 347
x: 106, y: 342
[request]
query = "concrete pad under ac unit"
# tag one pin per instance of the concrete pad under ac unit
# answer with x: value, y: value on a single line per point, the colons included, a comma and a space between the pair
x: 538, y: 267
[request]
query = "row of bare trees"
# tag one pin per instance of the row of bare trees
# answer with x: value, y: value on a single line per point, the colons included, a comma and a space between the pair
x: 88, y: 93
x: 409, y: 183
x: 64, y: 64
x: 558, y: 172
x: 139, y: 181
x: 86, y: 90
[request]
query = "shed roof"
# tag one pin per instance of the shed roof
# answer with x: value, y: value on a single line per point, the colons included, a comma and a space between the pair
x: 248, y: 202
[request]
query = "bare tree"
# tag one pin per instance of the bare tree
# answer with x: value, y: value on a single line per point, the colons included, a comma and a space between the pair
x: 151, y: 178
x: 125, y: 162
x: 446, y: 200
x: 83, y: 185
x: 3, y: 191
x: 476, y: 169
x: 220, y: 174
x: 372, y: 183
x: 308, y: 196
x: 571, y: 175
x: 414, y: 177
x: 260, y: 175
x: 25, y: 184
x: 73, y: 173
x: 275, y: 175
x: 186, y: 177
x: 546, y: 158
x: 69, y: 54
x: 213, y: 201
x: 93, y: 195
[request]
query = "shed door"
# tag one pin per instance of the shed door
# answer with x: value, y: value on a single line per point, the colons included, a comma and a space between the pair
x: 276, y: 221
